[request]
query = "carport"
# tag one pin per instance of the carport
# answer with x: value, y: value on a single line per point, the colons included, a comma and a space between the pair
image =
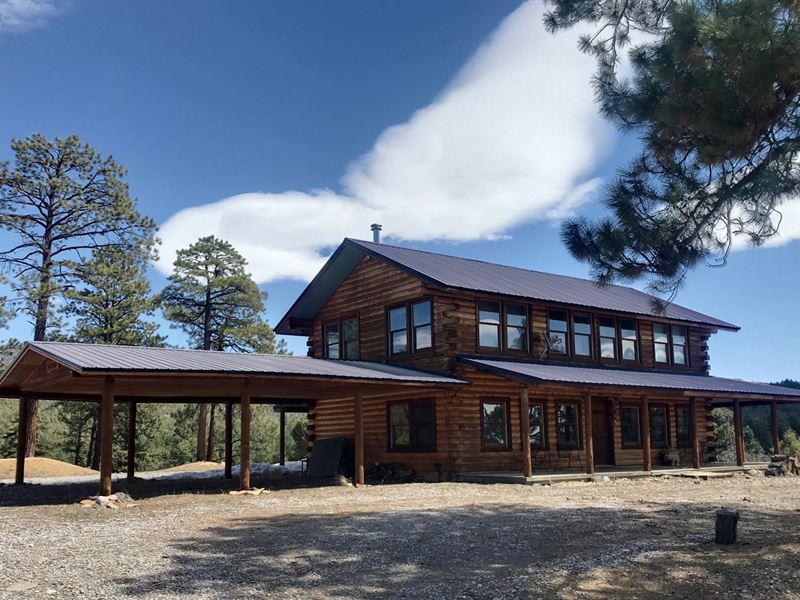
x: 132, y: 374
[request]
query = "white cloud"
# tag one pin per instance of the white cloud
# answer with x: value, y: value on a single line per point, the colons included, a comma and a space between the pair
x: 512, y: 139
x: 17, y: 16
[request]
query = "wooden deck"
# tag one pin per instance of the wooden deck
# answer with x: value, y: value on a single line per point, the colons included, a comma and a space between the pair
x: 705, y: 472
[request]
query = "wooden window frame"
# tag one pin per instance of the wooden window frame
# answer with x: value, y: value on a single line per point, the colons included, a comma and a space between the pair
x: 617, y: 340
x: 567, y: 333
x: 503, y: 327
x: 499, y: 303
x: 342, y: 341
x: 636, y: 343
x: 411, y: 340
x: 507, y: 447
x: 326, y: 345
x: 578, y: 445
x: 668, y: 432
x: 412, y: 447
x: 628, y: 445
x: 671, y: 345
x: 685, y: 443
x: 543, y: 406
x: 591, y: 357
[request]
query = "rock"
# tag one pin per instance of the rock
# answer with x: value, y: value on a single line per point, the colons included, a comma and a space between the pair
x: 753, y: 472
x: 101, y: 501
x: 121, y: 497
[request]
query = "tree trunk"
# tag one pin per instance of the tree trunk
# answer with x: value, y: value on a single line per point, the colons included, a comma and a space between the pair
x: 212, y: 434
x: 200, y: 452
x: 79, y: 442
x: 39, y: 334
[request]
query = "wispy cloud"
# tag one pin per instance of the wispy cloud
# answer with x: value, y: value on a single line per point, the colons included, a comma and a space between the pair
x: 17, y: 16
x: 512, y: 139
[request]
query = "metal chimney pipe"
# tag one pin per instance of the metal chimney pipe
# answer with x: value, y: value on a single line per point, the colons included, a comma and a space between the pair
x: 376, y: 233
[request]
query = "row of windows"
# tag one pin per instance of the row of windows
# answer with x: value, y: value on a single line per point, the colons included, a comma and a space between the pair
x: 412, y: 426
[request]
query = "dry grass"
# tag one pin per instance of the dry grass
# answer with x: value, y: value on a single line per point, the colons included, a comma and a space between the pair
x: 202, y: 465
x: 42, y: 467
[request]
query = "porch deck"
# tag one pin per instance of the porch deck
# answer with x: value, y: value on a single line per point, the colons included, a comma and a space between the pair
x: 546, y: 478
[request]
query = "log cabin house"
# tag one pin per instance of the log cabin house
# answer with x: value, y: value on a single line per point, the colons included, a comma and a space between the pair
x: 562, y: 374
x: 447, y: 365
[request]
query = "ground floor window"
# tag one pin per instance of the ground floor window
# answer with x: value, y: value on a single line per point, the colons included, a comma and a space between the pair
x: 412, y: 426
x: 567, y: 426
x: 538, y: 427
x: 495, y: 425
x: 659, y: 427
x: 630, y: 425
x: 683, y: 420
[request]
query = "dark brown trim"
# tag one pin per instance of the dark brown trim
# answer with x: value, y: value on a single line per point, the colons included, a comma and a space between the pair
x: 412, y: 447
x: 670, y: 364
x: 502, y: 331
x: 410, y: 329
x: 507, y: 447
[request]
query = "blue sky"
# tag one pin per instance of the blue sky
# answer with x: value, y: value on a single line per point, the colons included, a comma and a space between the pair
x: 284, y: 126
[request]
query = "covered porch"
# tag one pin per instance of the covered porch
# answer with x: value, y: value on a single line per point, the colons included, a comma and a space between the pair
x: 109, y: 375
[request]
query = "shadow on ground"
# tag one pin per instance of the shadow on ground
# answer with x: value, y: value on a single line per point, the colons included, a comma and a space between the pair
x: 485, y: 551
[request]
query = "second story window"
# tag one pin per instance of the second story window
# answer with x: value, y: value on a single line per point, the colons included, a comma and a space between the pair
x: 332, y: 341
x: 489, y: 325
x: 410, y: 327
x: 627, y: 329
x: 669, y: 344
x: 557, y: 331
x: 341, y: 339
x: 608, y: 337
x: 516, y: 327
x: 582, y: 335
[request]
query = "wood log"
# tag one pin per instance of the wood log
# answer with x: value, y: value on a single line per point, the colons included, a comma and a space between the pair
x: 725, y: 526
x: 131, y: 440
x: 229, y: 440
x: 22, y: 438
x: 244, y: 445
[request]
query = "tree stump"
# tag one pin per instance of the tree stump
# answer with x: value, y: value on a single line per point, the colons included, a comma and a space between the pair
x: 727, y: 520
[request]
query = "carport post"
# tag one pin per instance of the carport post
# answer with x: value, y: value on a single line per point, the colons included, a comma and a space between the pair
x: 106, y: 436
x: 647, y: 458
x: 358, y: 413
x: 695, y: 437
x: 773, y: 414
x: 525, y: 427
x: 737, y: 429
x: 244, y: 452
x: 131, y: 439
x: 229, y: 440
x: 587, y: 420
x: 282, y: 436
x: 22, y: 437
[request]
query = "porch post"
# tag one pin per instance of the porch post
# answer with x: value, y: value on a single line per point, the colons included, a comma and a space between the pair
x: 647, y: 459
x: 773, y: 413
x: 737, y: 425
x: 282, y: 436
x: 131, y: 440
x: 587, y: 427
x: 695, y: 437
x: 22, y: 437
x: 525, y: 426
x: 244, y: 451
x: 106, y: 436
x: 358, y: 413
x: 229, y: 440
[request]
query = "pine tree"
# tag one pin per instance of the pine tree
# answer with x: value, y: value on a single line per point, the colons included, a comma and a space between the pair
x: 715, y: 99
x: 215, y: 301
x: 59, y: 202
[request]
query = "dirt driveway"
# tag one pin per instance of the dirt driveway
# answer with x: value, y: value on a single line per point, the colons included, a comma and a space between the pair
x: 629, y: 538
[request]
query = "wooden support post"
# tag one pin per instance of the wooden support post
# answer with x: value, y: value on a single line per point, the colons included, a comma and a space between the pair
x: 739, y: 436
x: 229, y: 440
x: 358, y: 413
x: 22, y: 439
x: 773, y: 414
x: 525, y: 426
x: 282, y: 436
x: 695, y: 437
x: 647, y: 458
x: 131, y: 440
x: 244, y: 452
x: 106, y: 436
x: 587, y: 427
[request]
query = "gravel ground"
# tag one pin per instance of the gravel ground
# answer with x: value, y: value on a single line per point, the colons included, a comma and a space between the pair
x: 648, y: 538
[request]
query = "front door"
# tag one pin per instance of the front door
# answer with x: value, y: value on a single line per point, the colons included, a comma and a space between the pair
x: 601, y: 432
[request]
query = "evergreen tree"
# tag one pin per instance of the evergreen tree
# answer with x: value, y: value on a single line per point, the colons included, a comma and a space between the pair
x: 59, y: 202
x: 219, y: 306
x: 715, y: 98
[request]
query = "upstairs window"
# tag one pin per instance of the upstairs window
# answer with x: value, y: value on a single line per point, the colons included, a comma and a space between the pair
x: 670, y: 344
x: 495, y: 425
x: 628, y: 333
x: 350, y: 339
x: 410, y: 327
x: 683, y: 419
x: 412, y: 426
x: 489, y: 325
x: 516, y: 327
x: 557, y: 332
x: 332, y: 341
x: 608, y: 338
x: 582, y: 335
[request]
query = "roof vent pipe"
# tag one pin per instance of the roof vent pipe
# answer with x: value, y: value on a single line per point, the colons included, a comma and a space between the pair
x: 376, y: 232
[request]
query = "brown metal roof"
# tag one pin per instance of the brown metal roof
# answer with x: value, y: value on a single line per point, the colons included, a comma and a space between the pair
x: 98, y: 358
x: 626, y: 378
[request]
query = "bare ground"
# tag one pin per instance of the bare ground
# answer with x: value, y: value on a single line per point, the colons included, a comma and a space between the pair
x: 628, y: 538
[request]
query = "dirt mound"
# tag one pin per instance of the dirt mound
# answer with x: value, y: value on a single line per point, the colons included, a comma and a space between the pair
x: 203, y: 465
x: 42, y: 467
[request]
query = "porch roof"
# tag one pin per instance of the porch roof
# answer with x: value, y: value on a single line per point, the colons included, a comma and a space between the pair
x: 607, y: 376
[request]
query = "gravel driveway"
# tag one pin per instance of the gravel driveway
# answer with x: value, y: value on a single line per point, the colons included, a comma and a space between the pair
x: 627, y: 538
